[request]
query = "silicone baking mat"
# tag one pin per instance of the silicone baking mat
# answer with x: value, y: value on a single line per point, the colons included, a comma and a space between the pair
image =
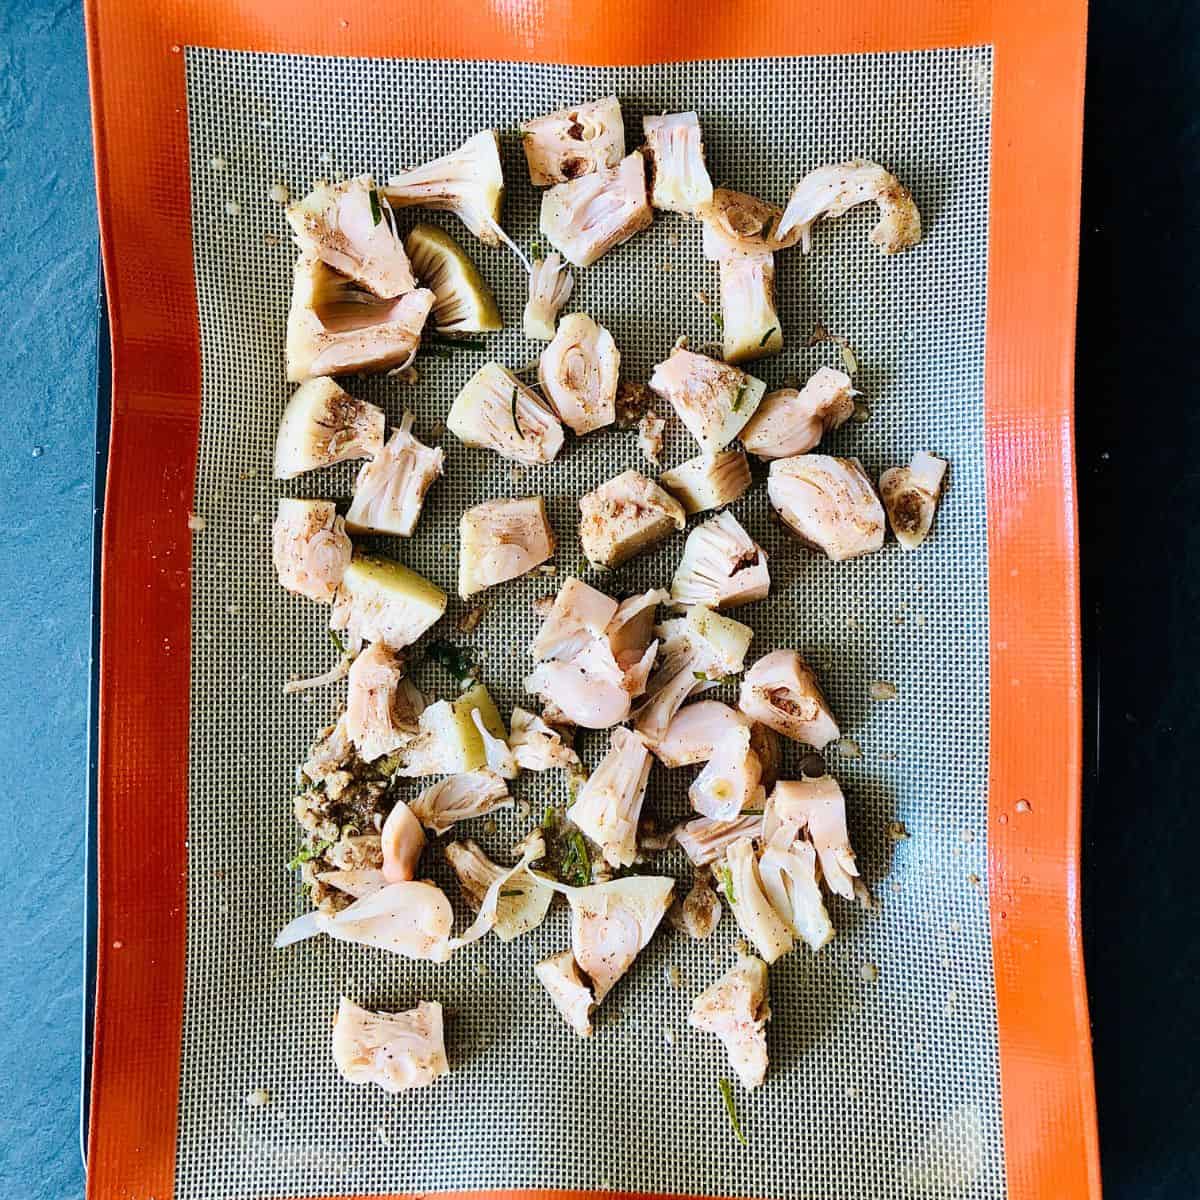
x: 883, y: 1087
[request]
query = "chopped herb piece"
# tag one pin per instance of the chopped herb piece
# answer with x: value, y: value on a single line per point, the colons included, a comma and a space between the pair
x: 718, y: 320
x: 550, y: 816
x: 535, y: 249
x: 505, y: 894
x: 376, y: 211
x: 766, y: 337
x: 741, y: 395
x: 726, y: 878
x: 727, y: 1096
x: 751, y: 812
x: 307, y: 854
x: 576, y: 865
x: 459, y: 661
x: 459, y: 343
x: 516, y: 423
x: 338, y: 644
x: 700, y: 675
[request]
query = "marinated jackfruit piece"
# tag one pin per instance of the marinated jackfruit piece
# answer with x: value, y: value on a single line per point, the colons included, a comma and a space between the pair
x: 401, y: 840
x: 588, y: 216
x: 764, y: 928
x: 468, y: 182
x: 781, y: 691
x: 721, y: 567
x: 650, y: 438
x: 538, y: 746
x: 462, y: 797
x: 736, y: 1010
x: 448, y: 741
x: 496, y: 411
x: 708, y: 480
x: 578, y: 373
x: 609, y: 804
x: 625, y: 516
x: 322, y: 425
x: 550, y: 287
x: 569, y: 991
x: 580, y: 614
x: 731, y: 780
x: 463, y: 302
x: 910, y: 496
x: 612, y: 922
x: 571, y: 142
x: 336, y: 327
x: 828, y: 503
x: 501, y: 540
x: 382, y: 707
x: 737, y: 224
x: 679, y: 179
x: 394, y: 1051
x: 750, y: 325
x: 705, y: 841
x: 819, y: 807
x: 350, y: 227
x: 713, y: 399
x: 390, y: 489
x: 833, y: 190
x: 788, y: 867
x: 790, y: 422
x: 694, y: 732
x: 310, y: 548
x: 524, y: 900
x: 697, y: 652
x: 579, y: 697
x: 380, y: 600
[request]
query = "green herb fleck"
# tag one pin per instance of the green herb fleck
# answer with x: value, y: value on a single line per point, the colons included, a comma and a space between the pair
x: 765, y: 337
x: 741, y: 395
x: 476, y: 344
x: 549, y: 817
x: 535, y: 249
x: 576, y: 865
x: 751, y: 812
x: 459, y: 661
x: 338, y: 644
x: 376, y: 211
x: 718, y: 321
x: 505, y: 894
x: 307, y: 854
x: 727, y: 1096
x: 726, y: 877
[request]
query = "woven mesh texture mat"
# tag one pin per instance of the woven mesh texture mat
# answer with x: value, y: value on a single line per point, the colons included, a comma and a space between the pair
x: 877, y: 1088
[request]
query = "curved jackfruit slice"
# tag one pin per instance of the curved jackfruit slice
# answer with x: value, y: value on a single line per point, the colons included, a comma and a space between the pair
x: 463, y: 301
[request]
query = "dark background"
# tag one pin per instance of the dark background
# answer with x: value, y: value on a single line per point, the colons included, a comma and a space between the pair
x: 1138, y: 454
x: 1138, y: 403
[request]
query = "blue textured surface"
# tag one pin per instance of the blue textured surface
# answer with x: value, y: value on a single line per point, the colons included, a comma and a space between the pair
x: 48, y: 314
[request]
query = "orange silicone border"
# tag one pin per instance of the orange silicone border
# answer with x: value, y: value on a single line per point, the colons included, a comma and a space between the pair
x: 140, y: 130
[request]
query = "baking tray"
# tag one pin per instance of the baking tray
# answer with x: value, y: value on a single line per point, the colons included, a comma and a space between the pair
x: 137, y: 56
